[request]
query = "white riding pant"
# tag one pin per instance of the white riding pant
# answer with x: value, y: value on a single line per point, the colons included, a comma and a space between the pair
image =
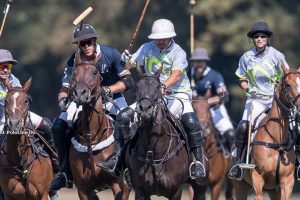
x: 258, y: 106
x: 71, y: 114
x: 221, y: 118
x: 177, y: 103
x: 35, y: 119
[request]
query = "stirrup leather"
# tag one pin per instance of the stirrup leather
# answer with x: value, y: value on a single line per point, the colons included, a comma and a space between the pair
x: 196, y: 162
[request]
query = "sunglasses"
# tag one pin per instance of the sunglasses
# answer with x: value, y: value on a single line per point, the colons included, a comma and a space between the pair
x: 5, y: 66
x: 86, y: 43
x: 259, y: 36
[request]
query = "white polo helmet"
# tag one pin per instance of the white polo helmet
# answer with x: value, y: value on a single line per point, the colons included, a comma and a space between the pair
x: 162, y: 29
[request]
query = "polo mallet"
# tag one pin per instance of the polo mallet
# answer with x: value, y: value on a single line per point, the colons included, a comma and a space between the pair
x: 128, y: 67
x: 192, y: 41
x: 5, y: 12
x: 248, y: 165
x: 138, y: 25
x: 80, y: 19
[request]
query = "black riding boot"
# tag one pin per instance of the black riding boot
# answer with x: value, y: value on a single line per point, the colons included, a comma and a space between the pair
x: 114, y: 165
x: 1, y: 194
x: 236, y: 172
x: 191, y: 125
x: 64, y: 179
x: 45, y: 127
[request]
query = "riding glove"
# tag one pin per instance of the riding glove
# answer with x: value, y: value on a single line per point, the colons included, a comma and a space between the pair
x: 105, y: 91
x: 126, y: 56
x: 252, y: 92
x: 63, y: 104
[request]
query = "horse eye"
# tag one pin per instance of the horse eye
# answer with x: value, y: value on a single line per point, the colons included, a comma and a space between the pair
x: 95, y: 72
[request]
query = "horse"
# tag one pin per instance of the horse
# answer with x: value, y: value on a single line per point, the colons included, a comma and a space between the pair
x: 157, y: 157
x: 94, y: 140
x: 218, y: 162
x: 25, y: 172
x: 272, y: 149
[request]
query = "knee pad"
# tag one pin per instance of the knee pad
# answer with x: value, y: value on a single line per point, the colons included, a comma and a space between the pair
x: 190, y: 122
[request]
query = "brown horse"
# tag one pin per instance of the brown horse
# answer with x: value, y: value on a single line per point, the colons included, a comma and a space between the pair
x: 217, y: 161
x: 94, y: 141
x: 272, y: 150
x: 24, y: 172
x: 157, y: 158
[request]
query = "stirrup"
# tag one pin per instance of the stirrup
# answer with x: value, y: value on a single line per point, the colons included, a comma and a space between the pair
x: 230, y: 176
x: 196, y: 162
x: 246, y: 166
x: 126, y: 178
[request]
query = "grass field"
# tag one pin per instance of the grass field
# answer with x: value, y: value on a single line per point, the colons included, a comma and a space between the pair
x: 67, y: 194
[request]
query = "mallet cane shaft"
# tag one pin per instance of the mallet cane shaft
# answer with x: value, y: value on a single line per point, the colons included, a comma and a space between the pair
x: 6, y: 9
x: 138, y: 25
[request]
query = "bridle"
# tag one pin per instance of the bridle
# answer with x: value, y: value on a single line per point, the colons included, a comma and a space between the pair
x: 91, y: 88
x: 291, y: 101
x: 24, y: 114
x: 153, y: 102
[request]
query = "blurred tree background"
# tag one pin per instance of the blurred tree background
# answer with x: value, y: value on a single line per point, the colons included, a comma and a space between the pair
x: 39, y: 35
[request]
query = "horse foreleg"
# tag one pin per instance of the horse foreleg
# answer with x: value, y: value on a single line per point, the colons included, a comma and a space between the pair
x: 241, y: 189
x: 83, y: 195
x: 229, y: 189
x: 117, y: 191
x: 177, y: 194
x: 216, y: 189
x: 199, y: 191
x: 274, y: 195
x: 257, y: 184
x: 286, y: 186
x: 140, y: 195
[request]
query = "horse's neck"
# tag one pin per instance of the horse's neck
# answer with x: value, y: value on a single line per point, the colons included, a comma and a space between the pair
x: 13, y: 148
x: 278, y: 119
x: 93, y: 119
x: 155, y: 131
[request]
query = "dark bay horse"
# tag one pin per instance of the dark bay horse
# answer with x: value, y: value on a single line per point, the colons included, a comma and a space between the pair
x: 272, y: 149
x: 218, y: 163
x: 157, y: 158
x: 24, y: 172
x: 94, y: 141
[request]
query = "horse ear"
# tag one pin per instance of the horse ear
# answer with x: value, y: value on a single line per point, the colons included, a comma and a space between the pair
x: 7, y: 83
x: 27, y: 84
x: 284, y: 68
x: 158, y: 72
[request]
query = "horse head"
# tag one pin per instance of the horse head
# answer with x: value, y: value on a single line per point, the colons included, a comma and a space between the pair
x: 17, y: 104
x: 289, y: 92
x: 202, y: 109
x: 85, y: 84
x: 148, y: 94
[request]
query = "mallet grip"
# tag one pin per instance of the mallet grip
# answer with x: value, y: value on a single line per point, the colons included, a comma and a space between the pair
x: 82, y: 16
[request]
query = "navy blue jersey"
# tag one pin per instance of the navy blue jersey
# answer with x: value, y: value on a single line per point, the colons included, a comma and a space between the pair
x: 110, y: 66
x: 211, y: 80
